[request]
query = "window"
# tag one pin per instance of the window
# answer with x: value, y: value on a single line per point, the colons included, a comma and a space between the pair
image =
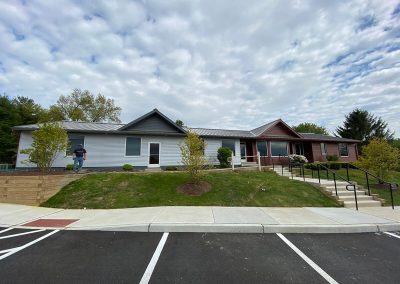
x: 279, y: 149
x: 74, y: 142
x: 299, y: 148
x: 324, y: 149
x: 343, y: 150
x: 228, y: 143
x: 132, y: 146
x: 262, y: 148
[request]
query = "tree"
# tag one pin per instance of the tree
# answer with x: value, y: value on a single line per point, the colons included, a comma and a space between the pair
x: 192, y: 151
x: 179, y: 123
x: 361, y: 125
x: 49, y: 141
x: 17, y: 111
x: 84, y: 106
x: 395, y: 143
x: 379, y: 157
x: 309, y: 127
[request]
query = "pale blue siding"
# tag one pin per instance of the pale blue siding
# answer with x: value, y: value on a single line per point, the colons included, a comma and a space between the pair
x: 109, y: 151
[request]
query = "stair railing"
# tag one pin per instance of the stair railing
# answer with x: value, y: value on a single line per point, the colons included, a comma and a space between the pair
x: 297, y: 165
x: 335, y: 176
x: 381, y: 181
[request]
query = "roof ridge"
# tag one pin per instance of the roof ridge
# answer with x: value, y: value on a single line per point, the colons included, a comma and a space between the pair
x: 218, y: 129
x: 95, y: 122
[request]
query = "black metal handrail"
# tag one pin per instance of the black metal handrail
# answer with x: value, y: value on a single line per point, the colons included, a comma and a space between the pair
x: 381, y: 181
x: 297, y: 165
x: 334, y: 174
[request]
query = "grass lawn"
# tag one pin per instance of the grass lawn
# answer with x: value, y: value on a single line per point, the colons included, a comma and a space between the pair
x: 123, y: 190
x: 359, y: 177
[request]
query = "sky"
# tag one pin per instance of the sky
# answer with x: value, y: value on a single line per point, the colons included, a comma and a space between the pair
x: 217, y: 64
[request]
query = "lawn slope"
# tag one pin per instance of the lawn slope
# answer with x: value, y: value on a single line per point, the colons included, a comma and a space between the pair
x: 120, y: 190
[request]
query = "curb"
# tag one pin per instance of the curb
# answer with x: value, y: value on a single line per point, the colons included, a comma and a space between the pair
x: 244, y: 228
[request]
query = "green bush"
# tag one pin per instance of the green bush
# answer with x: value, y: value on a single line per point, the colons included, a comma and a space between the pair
x: 335, y: 165
x: 69, y: 167
x: 311, y: 166
x: 171, y: 168
x: 127, y: 167
x: 332, y: 158
x: 224, y: 157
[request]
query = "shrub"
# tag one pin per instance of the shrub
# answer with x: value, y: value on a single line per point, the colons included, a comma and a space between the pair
x: 311, y: 166
x: 127, y: 167
x: 334, y: 165
x: 332, y: 158
x: 171, y: 168
x: 298, y: 158
x: 224, y: 157
x: 69, y: 167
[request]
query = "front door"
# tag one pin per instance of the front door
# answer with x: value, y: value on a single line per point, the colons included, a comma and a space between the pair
x: 154, y: 155
x: 243, y: 151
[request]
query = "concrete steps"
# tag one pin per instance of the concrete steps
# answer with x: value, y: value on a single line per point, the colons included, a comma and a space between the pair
x: 343, y: 195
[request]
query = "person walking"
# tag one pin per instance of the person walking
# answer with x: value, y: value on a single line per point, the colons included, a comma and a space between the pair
x: 79, y: 155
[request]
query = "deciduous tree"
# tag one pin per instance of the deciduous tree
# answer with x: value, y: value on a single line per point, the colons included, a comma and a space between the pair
x: 309, y: 127
x: 379, y: 157
x: 84, y: 106
x: 192, y: 152
x: 49, y: 141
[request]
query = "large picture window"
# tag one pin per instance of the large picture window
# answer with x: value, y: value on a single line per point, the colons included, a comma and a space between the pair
x: 324, y: 149
x: 132, y: 147
x: 343, y: 150
x: 262, y: 148
x: 74, y: 141
x: 229, y: 143
x: 279, y: 149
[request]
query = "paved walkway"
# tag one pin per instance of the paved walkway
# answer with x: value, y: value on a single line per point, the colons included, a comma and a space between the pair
x: 208, y: 219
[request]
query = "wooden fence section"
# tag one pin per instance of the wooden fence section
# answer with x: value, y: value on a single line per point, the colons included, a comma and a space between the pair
x: 32, y: 190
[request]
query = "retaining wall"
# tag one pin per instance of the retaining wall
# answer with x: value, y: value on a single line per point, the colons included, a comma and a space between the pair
x: 32, y: 190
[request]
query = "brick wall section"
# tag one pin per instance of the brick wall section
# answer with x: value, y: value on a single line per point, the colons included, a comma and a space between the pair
x: 32, y: 190
x: 333, y: 149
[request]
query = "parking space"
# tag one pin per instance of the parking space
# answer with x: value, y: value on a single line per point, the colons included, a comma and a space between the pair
x: 353, y: 258
x: 128, y: 257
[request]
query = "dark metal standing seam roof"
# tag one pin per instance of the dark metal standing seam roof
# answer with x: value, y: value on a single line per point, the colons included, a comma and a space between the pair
x: 118, y: 128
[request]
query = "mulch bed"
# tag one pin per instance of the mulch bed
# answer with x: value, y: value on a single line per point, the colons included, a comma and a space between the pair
x: 194, y: 188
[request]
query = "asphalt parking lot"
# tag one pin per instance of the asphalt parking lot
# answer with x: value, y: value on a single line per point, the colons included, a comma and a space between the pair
x: 49, y: 256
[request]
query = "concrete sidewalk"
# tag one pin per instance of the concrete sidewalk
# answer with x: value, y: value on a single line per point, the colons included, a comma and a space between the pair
x: 212, y: 219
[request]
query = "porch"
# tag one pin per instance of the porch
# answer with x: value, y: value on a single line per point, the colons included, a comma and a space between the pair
x: 272, y: 152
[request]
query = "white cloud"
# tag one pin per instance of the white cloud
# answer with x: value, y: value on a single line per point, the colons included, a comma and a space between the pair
x: 233, y: 64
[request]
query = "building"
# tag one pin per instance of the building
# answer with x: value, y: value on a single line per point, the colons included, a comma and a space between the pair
x: 153, y: 140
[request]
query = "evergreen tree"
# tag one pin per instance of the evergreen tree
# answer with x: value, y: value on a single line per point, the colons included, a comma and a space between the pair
x: 363, y: 126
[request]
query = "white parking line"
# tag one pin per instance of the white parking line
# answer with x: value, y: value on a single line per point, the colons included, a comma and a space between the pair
x: 17, y: 249
x: 391, y: 234
x: 8, y: 250
x: 152, y: 264
x: 21, y: 234
x: 8, y: 229
x: 307, y: 259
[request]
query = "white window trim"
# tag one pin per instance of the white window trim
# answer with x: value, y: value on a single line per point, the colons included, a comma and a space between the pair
x: 347, y: 146
x: 140, y: 150
x: 148, y: 155
x: 84, y: 142
x: 325, y: 148
x: 287, y: 149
